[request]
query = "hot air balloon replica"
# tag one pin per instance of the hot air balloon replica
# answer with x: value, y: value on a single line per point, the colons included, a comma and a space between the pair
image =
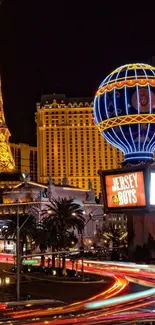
x: 124, y: 111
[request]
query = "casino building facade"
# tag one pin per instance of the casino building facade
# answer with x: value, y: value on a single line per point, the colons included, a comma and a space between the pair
x: 68, y: 146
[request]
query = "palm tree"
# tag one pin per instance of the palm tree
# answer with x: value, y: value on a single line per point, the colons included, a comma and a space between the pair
x: 71, y: 239
x: 46, y: 236
x: 116, y: 236
x: 41, y: 240
x: 51, y: 236
x: 111, y: 234
x: 27, y: 224
x: 66, y: 216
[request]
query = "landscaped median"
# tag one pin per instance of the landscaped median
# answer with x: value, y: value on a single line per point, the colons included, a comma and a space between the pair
x: 89, y: 278
x: 41, y: 284
x: 60, y: 275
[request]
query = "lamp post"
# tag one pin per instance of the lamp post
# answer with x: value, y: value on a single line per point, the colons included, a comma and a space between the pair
x: 3, y: 283
x: 18, y: 257
x: 18, y: 254
x: 91, y: 215
x: 18, y: 228
x: 18, y: 251
x: 82, y: 251
x: 82, y: 241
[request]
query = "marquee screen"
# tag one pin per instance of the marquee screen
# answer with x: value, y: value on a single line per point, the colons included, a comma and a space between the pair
x: 125, y: 190
x: 152, y: 188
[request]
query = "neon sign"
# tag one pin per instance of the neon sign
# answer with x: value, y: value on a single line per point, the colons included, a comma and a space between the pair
x: 124, y: 110
x: 125, y: 190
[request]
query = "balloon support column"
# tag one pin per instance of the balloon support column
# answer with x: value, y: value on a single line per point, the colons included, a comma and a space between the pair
x: 139, y: 227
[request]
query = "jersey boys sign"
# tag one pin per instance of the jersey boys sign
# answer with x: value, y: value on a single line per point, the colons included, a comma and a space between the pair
x: 125, y: 190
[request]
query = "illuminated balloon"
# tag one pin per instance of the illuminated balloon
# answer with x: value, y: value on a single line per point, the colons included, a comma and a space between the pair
x: 124, y: 110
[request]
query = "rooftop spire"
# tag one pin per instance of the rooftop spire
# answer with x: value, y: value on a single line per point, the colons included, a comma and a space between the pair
x: 6, y: 159
x: 2, y: 118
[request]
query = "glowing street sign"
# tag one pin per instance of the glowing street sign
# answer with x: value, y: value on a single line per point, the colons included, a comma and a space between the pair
x: 29, y: 262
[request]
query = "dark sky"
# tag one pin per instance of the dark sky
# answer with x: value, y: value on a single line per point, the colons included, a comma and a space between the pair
x: 49, y: 46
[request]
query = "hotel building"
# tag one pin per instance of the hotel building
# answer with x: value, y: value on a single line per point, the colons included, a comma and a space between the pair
x: 25, y: 158
x: 69, y: 144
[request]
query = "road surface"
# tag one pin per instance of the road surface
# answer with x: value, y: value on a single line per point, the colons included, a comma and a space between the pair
x: 111, y: 306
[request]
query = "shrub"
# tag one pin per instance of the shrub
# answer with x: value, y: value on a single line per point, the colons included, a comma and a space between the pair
x: 71, y: 273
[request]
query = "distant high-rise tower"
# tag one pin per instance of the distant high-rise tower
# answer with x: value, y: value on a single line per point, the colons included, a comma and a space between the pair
x: 152, y: 60
x: 6, y: 159
x: 25, y: 158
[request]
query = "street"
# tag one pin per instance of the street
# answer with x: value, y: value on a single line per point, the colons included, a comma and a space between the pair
x: 47, y: 289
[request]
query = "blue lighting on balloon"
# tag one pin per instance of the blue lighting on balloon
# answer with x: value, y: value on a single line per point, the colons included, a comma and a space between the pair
x: 148, y: 125
x: 127, y: 112
x: 95, y: 113
x: 123, y: 99
x: 105, y: 103
x: 116, y: 113
x: 110, y: 139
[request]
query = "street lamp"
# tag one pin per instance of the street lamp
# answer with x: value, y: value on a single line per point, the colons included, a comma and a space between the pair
x: 18, y: 261
x: 82, y: 241
x: 7, y: 280
x: 3, y: 283
x: 18, y: 228
x: 18, y: 257
x: 18, y: 254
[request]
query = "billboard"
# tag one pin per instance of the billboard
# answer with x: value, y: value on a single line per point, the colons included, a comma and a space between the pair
x: 125, y: 190
x: 128, y: 189
x: 152, y: 188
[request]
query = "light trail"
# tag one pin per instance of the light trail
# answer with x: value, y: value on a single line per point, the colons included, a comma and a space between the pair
x: 120, y: 282
x: 122, y: 299
x: 105, y: 306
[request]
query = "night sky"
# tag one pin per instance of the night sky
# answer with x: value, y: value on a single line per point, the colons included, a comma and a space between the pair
x: 47, y: 47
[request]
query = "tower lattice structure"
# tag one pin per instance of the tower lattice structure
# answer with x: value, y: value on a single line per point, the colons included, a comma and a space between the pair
x: 6, y: 159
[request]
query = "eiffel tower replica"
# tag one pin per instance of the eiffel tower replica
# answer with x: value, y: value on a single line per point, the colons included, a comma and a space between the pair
x: 7, y: 163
